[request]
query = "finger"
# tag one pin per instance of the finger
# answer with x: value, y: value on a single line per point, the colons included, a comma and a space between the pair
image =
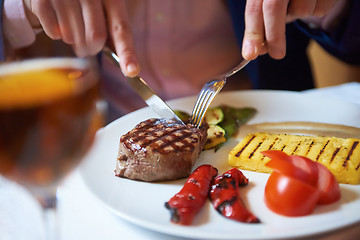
x: 121, y: 36
x: 71, y: 23
x: 300, y: 9
x: 47, y: 18
x: 254, y: 29
x: 323, y: 7
x: 264, y: 49
x: 95, y: 26
x: 33, y: 19
x: 275, y: 23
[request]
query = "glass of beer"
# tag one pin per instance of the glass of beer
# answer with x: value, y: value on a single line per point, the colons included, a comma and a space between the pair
x: 48, y: 121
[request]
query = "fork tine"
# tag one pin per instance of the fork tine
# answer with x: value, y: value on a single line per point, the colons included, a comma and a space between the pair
x: 203, y: 101
x: 206, y: 105
x: 207, y: 94
x: 197, y: 105
x: 200, y: 103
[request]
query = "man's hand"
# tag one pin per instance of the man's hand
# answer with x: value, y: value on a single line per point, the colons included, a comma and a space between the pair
x: 86, y: 25
x: 265, y: 22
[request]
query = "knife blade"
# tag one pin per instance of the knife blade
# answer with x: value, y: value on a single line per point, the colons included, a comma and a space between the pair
x: 145, y: 92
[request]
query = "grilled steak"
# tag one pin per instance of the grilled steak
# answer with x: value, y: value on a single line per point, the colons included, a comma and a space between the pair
x: 159, y: 149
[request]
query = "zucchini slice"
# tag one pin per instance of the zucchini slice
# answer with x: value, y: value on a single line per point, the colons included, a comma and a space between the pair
x: 216, y: 135
x: 214, y: 116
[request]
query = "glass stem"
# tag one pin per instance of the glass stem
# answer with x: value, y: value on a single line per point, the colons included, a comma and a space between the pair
x: 47, y: 197
x: 51, y: 218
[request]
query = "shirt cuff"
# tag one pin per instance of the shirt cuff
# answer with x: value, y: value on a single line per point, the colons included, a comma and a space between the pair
x: 17, y: 28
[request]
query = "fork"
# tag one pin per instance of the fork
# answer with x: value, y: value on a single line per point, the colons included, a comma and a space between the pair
x: 208, y: 93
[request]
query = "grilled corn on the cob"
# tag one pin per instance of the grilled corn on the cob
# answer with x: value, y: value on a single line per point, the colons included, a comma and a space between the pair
x: 340, y: 155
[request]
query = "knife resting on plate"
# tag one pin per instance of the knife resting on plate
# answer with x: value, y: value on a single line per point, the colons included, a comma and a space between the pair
x: 145, y: 92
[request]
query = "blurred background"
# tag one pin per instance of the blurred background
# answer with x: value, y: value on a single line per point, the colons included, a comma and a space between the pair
x: 327, y: 70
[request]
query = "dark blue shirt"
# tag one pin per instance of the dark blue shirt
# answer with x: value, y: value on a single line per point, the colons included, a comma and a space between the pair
x: 294, y: 71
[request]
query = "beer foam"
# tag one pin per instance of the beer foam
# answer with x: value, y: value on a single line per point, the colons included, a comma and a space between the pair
x: 41, y: 64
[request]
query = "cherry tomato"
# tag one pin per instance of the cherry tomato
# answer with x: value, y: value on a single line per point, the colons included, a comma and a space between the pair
x: 308, y: 166
x: 320, y: 177
x: 297, y: 184
x: 282, y: 163
x: 289, y: 196
x: 328, y: 186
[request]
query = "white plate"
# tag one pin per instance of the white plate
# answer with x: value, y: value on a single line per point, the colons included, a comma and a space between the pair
x: 143, y: 203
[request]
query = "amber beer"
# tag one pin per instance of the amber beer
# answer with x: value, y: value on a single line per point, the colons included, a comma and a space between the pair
x: 48, y: 118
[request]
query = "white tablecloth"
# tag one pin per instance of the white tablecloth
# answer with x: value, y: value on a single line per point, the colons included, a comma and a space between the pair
x: 82, y: 216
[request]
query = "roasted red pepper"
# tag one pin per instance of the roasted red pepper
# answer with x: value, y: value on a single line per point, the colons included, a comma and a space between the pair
x: 226, y: 199
x: 186, y: 203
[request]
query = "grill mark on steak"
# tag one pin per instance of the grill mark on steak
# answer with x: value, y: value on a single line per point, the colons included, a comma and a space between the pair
x: 159, y: 149
x: 161, y: 137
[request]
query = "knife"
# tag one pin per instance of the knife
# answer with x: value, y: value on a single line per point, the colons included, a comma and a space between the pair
x: 145, y: 92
